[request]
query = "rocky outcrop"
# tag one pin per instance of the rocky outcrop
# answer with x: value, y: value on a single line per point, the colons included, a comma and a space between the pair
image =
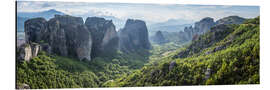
x: 231, y: 20
x: 159, y: 38
x: 134, y: 36
x: 104, y: 35
x: 28, y: 51
x: 207, y: 73
x: 204, y: 25
x: 172, y: 65
x: 199, y: 43
x: 199, y: 28
x: 63, y: 35
x: 22, y: 86
x: 76, y: 39
x: 34, y: 28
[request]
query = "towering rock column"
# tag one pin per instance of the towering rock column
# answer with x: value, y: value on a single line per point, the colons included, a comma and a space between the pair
x: 134, y: 36
x: 104, y: 35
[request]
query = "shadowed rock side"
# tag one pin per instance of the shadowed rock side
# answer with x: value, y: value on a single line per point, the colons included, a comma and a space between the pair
x: 159, y: 38
x: 63, y: 35
x: 204, y: 25
x: 134, y: 36
x: 104, y: 35
x: 34, y: 28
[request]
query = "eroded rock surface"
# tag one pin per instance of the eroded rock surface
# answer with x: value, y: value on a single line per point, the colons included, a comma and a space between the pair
x: 134, y: 36
x: 104, y: 35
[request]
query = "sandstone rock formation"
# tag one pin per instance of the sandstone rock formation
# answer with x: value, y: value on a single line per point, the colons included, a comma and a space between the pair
x: 28, y: 51
x: 134, y: 36
x: 159, y: 38
x: 204, y: 25
x: 104, y: 35
x: 216, y: 34
x: 63, y: 35
x: 34, y: 29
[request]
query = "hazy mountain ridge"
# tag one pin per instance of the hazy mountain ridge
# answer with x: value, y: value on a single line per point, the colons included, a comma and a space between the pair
x: 45, y: 14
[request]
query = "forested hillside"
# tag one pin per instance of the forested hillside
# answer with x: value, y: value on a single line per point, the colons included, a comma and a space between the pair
x: 221, y: 56
x: 226, y: 54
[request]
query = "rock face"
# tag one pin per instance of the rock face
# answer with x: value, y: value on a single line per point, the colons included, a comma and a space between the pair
x: 172, y: 65
x: 23, y: 86
x: 199, y: 28
x: 216, y: 34
x: 28, y: 51
x: 159, y: 38
x: 231, y: 20
x: 204, y: 25
x: 207, y: 73
x: 104, y: 35
x: 63, y: 35
x: 34, y: 29
x: 134, y: 36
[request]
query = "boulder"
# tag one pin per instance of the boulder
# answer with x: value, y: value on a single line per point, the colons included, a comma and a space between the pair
x: 208, y: 73
x: 172, y: 65
x: 23, y: 86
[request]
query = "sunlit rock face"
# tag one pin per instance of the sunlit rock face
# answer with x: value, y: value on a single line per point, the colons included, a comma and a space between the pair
x: 104, y: 35
x: 134, y: 36
x: 28, y: 51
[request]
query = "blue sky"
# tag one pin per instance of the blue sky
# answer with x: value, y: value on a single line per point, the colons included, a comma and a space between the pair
x: 152, y: 13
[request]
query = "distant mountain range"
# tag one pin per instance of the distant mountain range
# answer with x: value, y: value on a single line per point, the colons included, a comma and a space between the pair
x: 23, y: 16
x: 172, y: 25
x: 45, y: 14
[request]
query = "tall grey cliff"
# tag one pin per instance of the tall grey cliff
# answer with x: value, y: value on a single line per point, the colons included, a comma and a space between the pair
x: 63, y: 35
x: 104, y: 35
x: 134, y: 36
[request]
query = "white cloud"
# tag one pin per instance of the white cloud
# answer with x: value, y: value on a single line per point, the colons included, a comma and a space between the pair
x: 151, y: 13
